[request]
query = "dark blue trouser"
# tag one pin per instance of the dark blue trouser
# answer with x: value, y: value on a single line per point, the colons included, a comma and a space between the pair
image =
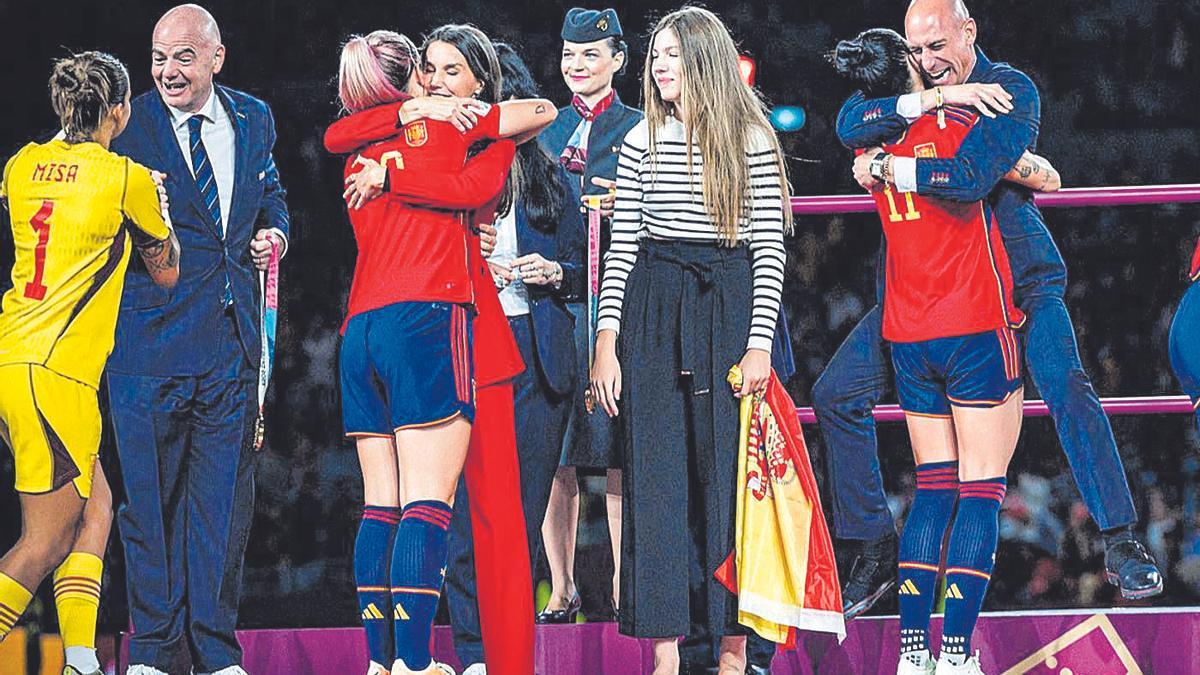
x: 185, y: 445
x: 1185, y: 344
x: 856, y: 378
x: 541, y: 418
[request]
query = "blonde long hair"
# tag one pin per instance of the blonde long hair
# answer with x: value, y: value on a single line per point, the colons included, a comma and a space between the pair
x: 722, y: 113
x: 375, y: 68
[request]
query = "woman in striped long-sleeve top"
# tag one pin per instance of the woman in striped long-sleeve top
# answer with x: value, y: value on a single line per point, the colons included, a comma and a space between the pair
x: 692, y: 286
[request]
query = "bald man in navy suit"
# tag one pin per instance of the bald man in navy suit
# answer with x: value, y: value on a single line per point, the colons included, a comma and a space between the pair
x: 184, y: 414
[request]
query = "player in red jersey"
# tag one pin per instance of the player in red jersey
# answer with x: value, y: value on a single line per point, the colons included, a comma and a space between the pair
x: 406, y: 363
x: 950, y: 319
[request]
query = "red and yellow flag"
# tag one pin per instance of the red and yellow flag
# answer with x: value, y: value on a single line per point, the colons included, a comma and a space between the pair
x: 782, y: 568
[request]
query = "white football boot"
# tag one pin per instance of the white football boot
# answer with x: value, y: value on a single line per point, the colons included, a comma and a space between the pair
x: 970, y: 667
x: 916, y: 663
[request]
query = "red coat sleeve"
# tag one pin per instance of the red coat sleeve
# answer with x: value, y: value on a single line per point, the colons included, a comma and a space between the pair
x: 363, y: 128
x: 479, y: 181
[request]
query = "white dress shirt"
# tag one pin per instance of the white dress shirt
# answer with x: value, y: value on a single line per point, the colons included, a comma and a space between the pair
x: 514, y: 297
x: 219, y: 142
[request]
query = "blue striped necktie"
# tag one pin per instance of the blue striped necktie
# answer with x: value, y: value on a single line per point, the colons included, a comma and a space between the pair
x: 202, y: 168
x: 207, y: 182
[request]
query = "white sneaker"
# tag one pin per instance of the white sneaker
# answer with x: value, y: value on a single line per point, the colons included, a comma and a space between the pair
x: 377, y: 669
x: 476, y: 669
x: 435, y: 668
x: 916, y: 663
x: 970, y: 667
x: 143, y: 670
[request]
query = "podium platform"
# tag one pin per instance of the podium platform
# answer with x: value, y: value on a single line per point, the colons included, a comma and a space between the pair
x: 1084, y: 642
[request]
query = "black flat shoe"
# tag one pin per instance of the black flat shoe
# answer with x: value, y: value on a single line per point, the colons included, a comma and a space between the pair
x: 1131, y: 568
x: 873, y: 575
x: 566, y: 615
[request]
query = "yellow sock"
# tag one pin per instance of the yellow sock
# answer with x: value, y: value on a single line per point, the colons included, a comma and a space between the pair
x: 14, y: 598
x: 77, y: 597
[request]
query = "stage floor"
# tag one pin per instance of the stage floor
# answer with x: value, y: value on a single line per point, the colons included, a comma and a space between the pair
x: 1086, y: 642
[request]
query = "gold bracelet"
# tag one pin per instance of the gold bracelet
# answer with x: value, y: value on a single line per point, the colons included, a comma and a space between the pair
x: 940, y: 99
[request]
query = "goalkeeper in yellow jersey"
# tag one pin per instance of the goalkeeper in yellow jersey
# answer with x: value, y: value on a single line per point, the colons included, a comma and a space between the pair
x: 77, y: 210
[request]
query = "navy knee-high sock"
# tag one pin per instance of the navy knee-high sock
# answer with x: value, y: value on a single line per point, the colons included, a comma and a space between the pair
x: 418, y: 570
x: 921, y: 550
x: 372, y: 573
x: 969, y: 561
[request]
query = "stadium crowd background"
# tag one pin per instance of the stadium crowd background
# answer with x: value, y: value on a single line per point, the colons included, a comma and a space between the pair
x: 1120, y: 107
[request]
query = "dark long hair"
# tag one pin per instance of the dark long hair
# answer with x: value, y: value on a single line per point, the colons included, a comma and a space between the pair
x: 480, y: 55
x: 876, y: 61
x: 476, y: 48
x: 536, y: 178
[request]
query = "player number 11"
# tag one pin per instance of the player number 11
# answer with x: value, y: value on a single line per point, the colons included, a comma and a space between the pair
x: 35, y: 290
x: 894, y: 216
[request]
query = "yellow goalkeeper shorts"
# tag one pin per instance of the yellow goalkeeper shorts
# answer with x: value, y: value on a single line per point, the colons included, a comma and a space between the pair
x: 52, y: 424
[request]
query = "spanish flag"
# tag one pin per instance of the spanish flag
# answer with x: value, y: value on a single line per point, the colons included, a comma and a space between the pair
x: 782, y: 568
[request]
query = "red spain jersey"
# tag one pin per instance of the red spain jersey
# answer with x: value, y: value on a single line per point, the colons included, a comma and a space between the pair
x: 947, y: 269
x: 406, y: 252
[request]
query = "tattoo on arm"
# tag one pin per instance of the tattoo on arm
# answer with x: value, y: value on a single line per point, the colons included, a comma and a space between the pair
x: 160, y: 256
x: 1034, y: 172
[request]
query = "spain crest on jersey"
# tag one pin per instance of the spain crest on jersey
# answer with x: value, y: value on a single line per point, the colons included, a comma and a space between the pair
x: 416, y: 134
x: 925, y: 151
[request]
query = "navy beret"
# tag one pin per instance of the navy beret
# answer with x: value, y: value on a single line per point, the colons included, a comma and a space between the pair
x: 589, y: 25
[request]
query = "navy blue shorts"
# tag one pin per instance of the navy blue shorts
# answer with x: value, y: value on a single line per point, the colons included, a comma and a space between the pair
x: 982, y: 370
x: 406, y: 365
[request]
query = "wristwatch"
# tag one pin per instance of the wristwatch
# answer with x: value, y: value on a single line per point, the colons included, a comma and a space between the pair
x: 877, y: 166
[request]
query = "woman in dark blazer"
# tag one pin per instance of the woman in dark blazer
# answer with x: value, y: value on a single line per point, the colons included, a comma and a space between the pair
x: 585, y: 138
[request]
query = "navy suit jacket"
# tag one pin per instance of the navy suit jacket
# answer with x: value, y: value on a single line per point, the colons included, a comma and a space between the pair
x: 164, y: 333
x: 553, y: 324
x: 976, y: 172
x: 604, y: 146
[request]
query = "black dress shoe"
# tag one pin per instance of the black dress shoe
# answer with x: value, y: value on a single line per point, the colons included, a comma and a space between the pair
x: 873, y: 575
x: 564, y: 615
x: 1130, y: 567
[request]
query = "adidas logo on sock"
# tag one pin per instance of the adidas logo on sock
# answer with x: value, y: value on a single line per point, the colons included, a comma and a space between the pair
x: 953, y: 593
x: 372, y: 612
x: 400, y: 614
x: 909, y: 588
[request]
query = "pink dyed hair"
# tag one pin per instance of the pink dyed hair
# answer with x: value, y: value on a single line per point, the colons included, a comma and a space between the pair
x: 375, y: 69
